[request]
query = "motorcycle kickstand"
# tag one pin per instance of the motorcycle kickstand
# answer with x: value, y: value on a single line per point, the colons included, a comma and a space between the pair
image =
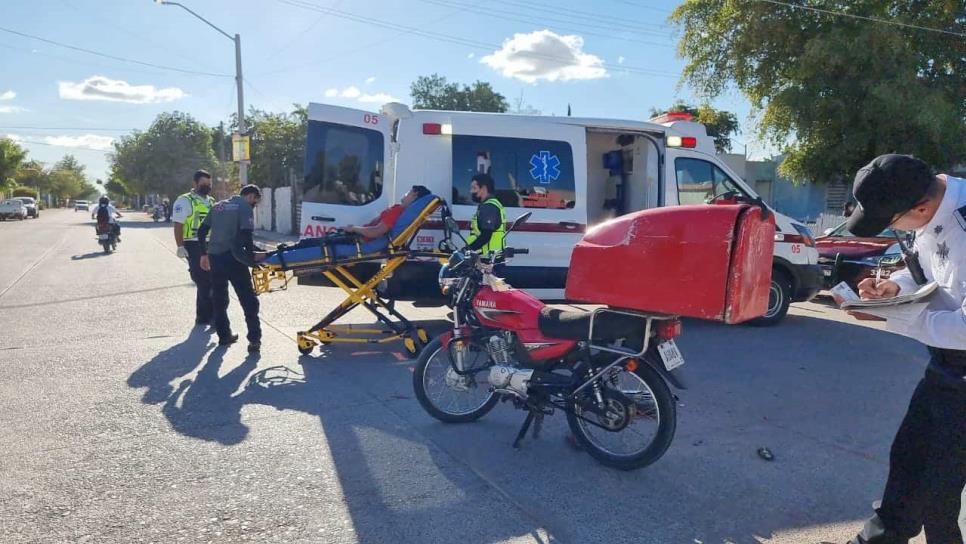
x: 524, y: 429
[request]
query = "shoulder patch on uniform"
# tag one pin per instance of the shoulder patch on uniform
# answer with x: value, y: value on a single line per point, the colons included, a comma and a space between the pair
x: 961, y: 217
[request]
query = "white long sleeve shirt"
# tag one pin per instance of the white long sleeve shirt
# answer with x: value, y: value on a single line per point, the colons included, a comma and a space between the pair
x: 942, y: 254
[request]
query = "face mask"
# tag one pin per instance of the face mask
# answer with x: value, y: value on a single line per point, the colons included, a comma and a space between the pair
x: 203, y: 190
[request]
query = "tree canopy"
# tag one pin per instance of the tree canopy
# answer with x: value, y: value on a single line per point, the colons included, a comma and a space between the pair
x: 832, y: 91
x: 436, y: 93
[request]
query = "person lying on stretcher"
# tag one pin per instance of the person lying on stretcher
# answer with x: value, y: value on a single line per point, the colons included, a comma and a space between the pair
x: 372, y: 230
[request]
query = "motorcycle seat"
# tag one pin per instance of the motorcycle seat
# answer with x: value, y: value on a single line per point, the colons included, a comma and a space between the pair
x: 575, y: 325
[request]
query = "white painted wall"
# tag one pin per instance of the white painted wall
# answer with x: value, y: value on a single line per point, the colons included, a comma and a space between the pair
x: 263, y: 212
x: 283, y: 210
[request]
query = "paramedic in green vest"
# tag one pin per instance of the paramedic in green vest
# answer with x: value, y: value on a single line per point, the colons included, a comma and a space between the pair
x: 488, y: 225
x: 190, y: 209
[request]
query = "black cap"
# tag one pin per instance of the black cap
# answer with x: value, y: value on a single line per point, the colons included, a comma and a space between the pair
x: 251, y: 190
x: 889, y: 185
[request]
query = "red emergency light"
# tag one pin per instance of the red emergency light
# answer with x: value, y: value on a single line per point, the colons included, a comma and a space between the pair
x: 433, y: 129
x: 689, y: 142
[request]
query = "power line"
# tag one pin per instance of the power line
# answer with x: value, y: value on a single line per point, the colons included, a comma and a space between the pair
x: 112, y: 57
x: 866, y: 18
x: 93, y: 129
x: 550, y: 22
x: 34, y: 142
x: 581, y: 17
x: 460, y: 41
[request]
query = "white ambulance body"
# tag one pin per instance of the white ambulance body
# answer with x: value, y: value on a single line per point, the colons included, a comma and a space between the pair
x: 572, y: 173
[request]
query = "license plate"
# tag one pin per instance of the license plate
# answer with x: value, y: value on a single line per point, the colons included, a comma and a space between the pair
x: 670, y: 354
x: 102, y: 237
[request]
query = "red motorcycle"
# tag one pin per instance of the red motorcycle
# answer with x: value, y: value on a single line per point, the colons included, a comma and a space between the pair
x: 608, y: 370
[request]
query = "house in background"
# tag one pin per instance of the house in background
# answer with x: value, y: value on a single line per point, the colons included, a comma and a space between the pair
x: 806, y: 202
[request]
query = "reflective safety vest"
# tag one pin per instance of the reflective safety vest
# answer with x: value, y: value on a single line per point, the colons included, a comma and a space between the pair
x: 496, y: 239
x: 200, y: 206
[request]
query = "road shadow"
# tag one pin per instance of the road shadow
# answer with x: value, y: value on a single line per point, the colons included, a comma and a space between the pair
x: 207, y: 407
x: 180, y: 359
x: 128, y: 224
x: 91, y: 255
x: 824, y: 396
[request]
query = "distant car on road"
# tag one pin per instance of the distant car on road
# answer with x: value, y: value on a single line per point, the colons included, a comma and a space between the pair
x: 12, y: 209
x: 33, y: 210
x: 846, y: 257
x: 82, y: 205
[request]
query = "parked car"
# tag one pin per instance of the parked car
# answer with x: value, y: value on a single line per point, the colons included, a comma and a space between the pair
x: 33, y: 210
x: 12, y: 209
x: 846, y: 257
x: 82, y: 205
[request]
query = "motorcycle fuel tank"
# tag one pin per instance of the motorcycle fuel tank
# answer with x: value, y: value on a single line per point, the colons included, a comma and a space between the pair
x: 518, y: 311
x: 704, y: 261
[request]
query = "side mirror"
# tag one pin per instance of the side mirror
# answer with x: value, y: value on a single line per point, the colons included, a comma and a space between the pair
x: 828, y: 231
x: 519, y: 221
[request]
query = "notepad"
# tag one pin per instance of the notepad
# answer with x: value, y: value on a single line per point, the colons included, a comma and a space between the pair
x: 852, y: 301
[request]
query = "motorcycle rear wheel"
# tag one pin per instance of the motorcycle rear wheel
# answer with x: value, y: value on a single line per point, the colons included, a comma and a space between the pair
x: 434, y: 381
x: 654, y: 407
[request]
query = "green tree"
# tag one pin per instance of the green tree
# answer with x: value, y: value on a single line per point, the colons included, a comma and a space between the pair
x: 435, y: 93
x: 26, y: 191
x: 277, y: 145
x: 162, y: 159
x: 68, y: 180
x: 11, y: 158
x: 832, y: 91
x: 117, y: 189
x: 720, y: 124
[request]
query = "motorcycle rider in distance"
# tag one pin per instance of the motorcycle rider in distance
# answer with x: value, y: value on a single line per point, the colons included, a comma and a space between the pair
x: 107, y: 213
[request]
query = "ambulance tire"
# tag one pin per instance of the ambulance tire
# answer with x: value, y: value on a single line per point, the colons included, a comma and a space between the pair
x: 779, y: 299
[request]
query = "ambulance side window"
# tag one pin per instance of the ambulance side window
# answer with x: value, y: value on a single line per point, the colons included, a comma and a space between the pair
x: 527, y: 173
x: 699, y: 181
x: 343, y: 164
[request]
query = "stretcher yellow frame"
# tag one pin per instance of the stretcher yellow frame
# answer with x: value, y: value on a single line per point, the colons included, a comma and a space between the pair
x: 267, y: 278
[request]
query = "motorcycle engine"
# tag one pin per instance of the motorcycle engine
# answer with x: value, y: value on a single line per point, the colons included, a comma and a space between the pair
x: 503, y: 375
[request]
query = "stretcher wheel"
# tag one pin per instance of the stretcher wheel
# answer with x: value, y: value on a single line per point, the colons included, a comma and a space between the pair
x: 423, y: 336
x: 412, y: 350
x: 305, y: 345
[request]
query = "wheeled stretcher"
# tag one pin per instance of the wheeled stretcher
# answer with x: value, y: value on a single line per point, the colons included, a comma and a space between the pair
x: 332, y: 256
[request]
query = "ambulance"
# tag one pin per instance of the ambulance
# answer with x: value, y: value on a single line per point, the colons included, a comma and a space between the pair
x: 572, y: 173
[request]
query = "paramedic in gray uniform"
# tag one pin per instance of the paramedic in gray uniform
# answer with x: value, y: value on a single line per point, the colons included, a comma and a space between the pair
x: 228, y: 254
x: 927, y: 464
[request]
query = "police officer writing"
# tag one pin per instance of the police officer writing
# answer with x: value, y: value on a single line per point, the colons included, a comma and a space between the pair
x: 488, y: 226
x: 927, y: 463
x: 189, y: 212
x: 228, y: 254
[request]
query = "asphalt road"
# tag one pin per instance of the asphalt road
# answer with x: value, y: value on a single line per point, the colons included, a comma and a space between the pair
x: 121, y: 423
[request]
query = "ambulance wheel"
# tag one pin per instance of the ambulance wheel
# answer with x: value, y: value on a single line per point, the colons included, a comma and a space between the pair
x: 779, y: 298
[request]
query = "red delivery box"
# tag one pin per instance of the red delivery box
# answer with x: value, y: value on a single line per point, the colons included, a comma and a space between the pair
x: 706, y: 261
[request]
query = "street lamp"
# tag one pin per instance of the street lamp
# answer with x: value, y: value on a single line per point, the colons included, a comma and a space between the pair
x: 242, y: 164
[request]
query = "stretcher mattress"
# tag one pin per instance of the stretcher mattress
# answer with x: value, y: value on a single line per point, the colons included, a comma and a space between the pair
x: 294, y: 256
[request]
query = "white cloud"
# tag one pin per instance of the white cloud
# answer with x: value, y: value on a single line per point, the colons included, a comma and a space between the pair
x: 102, y: 88
x: 331, y: 92
x: 471, y: 55
x: 379, y: 98
x: 545, y: 55
x: 11, y: 109
x: 350, y: 92
x: 620, y: 60
x: 370, y: 80
x: 8, y: 95
x: 86, y: 141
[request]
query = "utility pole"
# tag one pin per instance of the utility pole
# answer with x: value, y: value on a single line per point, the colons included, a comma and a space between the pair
x: 239, y: 81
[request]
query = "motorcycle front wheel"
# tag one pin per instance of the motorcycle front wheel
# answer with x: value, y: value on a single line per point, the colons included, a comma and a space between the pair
x: 635, y: 425
x: 446, y: 395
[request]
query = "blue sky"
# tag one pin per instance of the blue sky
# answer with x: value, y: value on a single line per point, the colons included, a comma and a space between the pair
x: 620, y: 55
